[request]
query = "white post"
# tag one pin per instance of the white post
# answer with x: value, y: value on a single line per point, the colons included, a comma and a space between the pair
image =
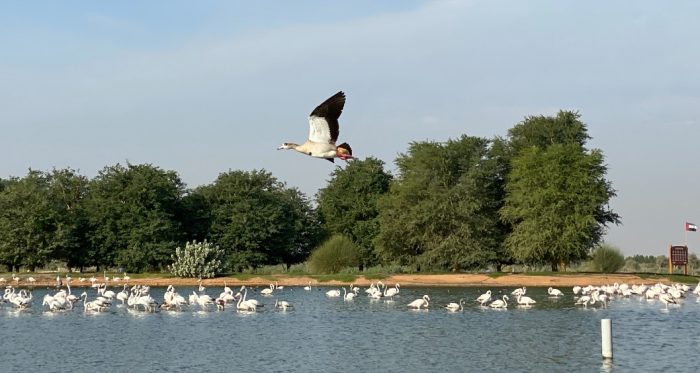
x: 606, y: 335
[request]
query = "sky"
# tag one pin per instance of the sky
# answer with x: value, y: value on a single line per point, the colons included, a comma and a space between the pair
x: 210, y: 86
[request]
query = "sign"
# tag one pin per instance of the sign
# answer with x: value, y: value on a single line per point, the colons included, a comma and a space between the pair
x: 679, y: 255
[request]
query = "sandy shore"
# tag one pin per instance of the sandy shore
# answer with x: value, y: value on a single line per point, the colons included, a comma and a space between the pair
x: 462, y: 279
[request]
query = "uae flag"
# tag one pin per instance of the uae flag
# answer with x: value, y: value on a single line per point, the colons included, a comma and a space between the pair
x: 691, y: 227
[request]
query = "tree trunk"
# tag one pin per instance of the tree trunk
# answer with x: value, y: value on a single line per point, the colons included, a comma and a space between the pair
x: 555, y: 267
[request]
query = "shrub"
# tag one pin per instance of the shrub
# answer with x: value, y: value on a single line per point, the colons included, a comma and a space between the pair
x: 197, y: 259
x: 607, y: 259
x: 333, y: 255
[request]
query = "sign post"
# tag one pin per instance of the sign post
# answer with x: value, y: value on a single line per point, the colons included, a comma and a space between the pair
x: 678, y: 256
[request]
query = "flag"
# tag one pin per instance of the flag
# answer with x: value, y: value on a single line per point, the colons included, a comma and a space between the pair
x: 691, y: 227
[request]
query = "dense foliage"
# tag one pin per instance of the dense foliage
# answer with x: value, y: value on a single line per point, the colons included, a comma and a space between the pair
x: 336, y: 253
x: 538, y: 196
x: 441, y: 212
x: 348, y: 204
x: 197, y: 259
x: 607, y: 259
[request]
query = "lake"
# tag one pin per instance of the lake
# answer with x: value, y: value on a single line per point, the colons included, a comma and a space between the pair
x: 321, y: 334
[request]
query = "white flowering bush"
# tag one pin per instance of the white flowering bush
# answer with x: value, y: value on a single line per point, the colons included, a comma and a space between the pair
x: 197, y: 259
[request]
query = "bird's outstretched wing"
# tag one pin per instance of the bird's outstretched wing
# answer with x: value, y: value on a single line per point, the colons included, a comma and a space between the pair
x: 323, y: 121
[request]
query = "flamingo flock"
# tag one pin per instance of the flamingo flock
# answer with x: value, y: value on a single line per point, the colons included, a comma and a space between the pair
x: 138, y: 297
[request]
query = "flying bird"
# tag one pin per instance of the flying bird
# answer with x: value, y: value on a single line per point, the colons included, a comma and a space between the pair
x: 323, y: 132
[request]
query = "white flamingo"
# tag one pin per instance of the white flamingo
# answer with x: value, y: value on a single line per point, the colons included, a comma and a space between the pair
x: 584, y: 300
x: 667, y: 299
x: 391, y: 292
x: 307, y: 288
x: 554, y: 292
x: 333, y: 293
x: 268, y: 292
x: 525, y: 300
x: 500, y: 303
x: 420, y: 302
x: 484, y: 298
x: 454, y: 307
x: 348, y: 296
x: 244, y: 305
x: 283, y: 305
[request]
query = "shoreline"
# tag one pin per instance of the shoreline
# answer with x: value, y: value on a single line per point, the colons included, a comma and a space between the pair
x: 410, y: 280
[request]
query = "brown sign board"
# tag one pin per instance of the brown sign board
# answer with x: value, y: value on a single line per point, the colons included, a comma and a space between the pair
x: 679, y: 255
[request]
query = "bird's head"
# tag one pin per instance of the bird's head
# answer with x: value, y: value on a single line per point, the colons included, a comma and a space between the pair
x: 286, y: 145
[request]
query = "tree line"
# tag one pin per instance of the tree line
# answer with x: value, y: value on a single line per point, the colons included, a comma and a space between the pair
x: 537, y: 196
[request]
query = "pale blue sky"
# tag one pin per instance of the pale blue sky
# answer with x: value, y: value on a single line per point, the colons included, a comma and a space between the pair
x: 201, y: 87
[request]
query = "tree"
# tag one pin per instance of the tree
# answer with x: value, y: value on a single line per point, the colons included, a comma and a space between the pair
x: 348, y: 204
x: 132, y: 213
x: 257, y: 220
x: 557, y: 201
x: 67, y: 192
x: 441, y: 212
x: 27, y: 221
x: 542, y: 131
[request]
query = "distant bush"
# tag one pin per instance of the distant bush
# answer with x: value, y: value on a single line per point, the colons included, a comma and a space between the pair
x: 334, y: 255
x: 197, y: 259
x: 607, y: 259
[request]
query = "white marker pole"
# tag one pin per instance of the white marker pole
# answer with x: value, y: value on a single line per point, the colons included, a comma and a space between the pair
x: 606, y: 335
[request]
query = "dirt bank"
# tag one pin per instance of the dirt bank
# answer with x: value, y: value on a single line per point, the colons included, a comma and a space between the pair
x: 462, y: 279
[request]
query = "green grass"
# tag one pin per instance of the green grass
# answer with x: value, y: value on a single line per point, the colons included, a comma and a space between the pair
x: 375, y: 276
x: 497, y: 274
x: 671, y: 277
x: 335, y: 277
x: 248, y: 276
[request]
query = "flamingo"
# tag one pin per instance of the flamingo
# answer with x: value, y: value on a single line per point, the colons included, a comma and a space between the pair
x: 268, y: 291
x: 31, y: 280
x: 554, y: 292
x: 584, y: 301
x: 94, y: 305
x: 15, y: 278
x: 324, y: 131
x: 307, y: 288
x: 123, y: 295
x: 500, y: 303
x: 454, y: 307
x: 420, y: 302
x: 333, y: 293
x: 283, y: 305
x: 519, y: 291
x: 391, y: 292
x: 525, y: 300
x: 348, y: 296
x: 244, y: 305
x: 484, y: 298
x: 666, y: 299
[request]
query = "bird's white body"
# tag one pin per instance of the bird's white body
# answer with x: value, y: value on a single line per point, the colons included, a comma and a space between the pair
x: 420, y: 303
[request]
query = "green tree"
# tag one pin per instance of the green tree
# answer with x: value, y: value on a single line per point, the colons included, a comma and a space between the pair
x: 132, y: 213
x: 257, y: 220
x: 67, y: 192
x: 557, y: 201
x: 27, y: 221
x: 440, y: 212
x: 542, y: 131
x: 348, y: 204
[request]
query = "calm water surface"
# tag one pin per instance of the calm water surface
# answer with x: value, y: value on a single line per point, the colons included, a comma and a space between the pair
x: 323, y: 334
